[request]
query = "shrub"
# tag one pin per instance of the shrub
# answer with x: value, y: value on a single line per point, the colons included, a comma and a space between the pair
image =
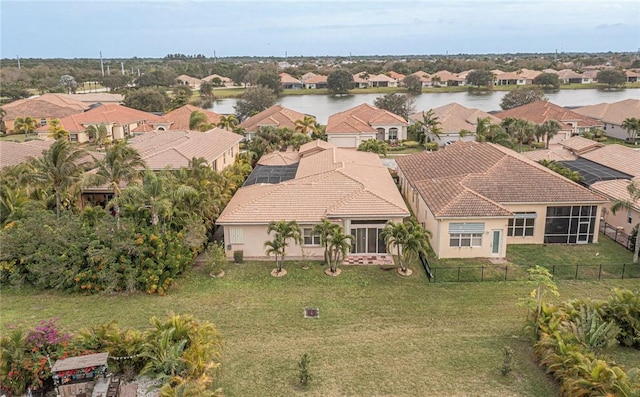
x: 411, y: 144
x: 238, y: 256
x: 304, y: 375
x: 215, y: 258
x: 538, y: 145
x: 431, y: 146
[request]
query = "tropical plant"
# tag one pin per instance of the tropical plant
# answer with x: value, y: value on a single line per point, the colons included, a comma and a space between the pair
x: 522, y: 96
x: 283, y: 231
x: 198, y: 121
x: 519, y: 129
x: 339, y: 245
x: 324, y: 230
x: 228, y: 122
x: 632, y: 126
x: 409, y: 238
x: 97, y: 133
x: 60, y: 166
x: 634, y: 198
x: 430, y: 125
x: 120, y: 164
x: 57, y: 131
x: 549, y: 129
x: 340, y: 81
x: 25, y: 125
x: 374, y: 146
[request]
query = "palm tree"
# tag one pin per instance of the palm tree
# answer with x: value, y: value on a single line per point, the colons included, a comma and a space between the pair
x: 57, y: 131
x: 97, y: 133
x: 409, y: 238
x: 60, y: 166
x: 549, y: 128
x: 632, y: 126
x: 3, y: 127
x: 284, y: 231
x: 519, y: 129
x: 324, y: 230
x: 339, y: 244
x: 121, y: 163
x: 12, y: 204
x: 25, y: 125
x: 198, y: 121
x: 229, y: 122
x: 430, y: 125
x: 634, y: 199
x: 307, y: 125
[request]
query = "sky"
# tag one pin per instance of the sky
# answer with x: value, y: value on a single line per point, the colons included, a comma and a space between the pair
x: 155, y: 28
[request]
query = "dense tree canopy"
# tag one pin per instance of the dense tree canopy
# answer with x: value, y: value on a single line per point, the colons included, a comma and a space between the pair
x: 480, y: 78
x: 547, y: 80
x: 398, y: 104
x: 612, y: 77
x: 521, y: 96
x: 147, y: 100
x: 413, y: 84
x: 340, y: 81
x: 253, y: 101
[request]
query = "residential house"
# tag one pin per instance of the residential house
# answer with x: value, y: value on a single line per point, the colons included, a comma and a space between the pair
x: 289, y: 82
x: 632, y: 76
x: 181, y: 116
x: 568, y: 76
x: 424, y: 77
x: 175, y: 149
x: 276, y: 116
x: 216, y: 79
x: 454, y: 118
x: 96, y: 98
x: 361, y: 80
x: 612, y: 115
x: 121, y: 122
x: 529, y: 75
x: 477, y: 198
x: 320, y: 181
x: 446, y: 78
x: 192, y: 82
x: 625, y: 219
x: 572, y: 123
x: 509, y: 78
x: 382, y: 80
x: 14, y: 153
x: 363, y: 122
x: 314, y: 81
x: 43, y: 109
x: 398, y: 77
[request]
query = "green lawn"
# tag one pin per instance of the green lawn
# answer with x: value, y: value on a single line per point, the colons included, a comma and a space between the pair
x: 378, y: 333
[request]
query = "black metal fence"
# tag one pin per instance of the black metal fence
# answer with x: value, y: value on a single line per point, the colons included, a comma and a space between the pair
x: 616, y: 234
x: 519, y: 273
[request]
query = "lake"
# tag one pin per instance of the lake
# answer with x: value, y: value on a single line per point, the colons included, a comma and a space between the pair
x: 322, y: 106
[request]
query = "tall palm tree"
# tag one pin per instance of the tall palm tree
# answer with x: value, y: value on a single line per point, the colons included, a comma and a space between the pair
x: 550, y: 128
x: 57, y: 131
x: 307, y: 125
x: 324, y: 230
x: 60, y: 166
x: 97, y: 133
x: 430, y: 125
x: 229, y: 122
x: 634, y: 199
x: 198, y: 121
x: 339, y: 245
x: 284, y: 231
x: 25, y: 125
x: 121, y: 164
x: 632, y: 126
x: 520, y: 129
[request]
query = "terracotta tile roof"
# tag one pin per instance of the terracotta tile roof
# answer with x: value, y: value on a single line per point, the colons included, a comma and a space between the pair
x: 420, y: 73
x: 362, y: 118
x: 276, y: 116
x: 454, y: 117
x: 541, y: 111
x: 381, y: 78
x: 44, y: 106
x: 618, y: 157
x: 509, y: 76
x: 213, y: 76
x: 280, y: 158
x: 316, y: 79
x: 307, y: 75
x: 446, y: 75
x: 287, y: 78
x: 181, y: 116
x: 478, y: 179
x: 396, y: 75
x: 612, y: 113
x: 529, y: 74
x: 315, y: 146
x: 174, y: 149
x: 143, y: 128
x: 566, y: 74
x: 579, y: 145
x: 96, y: 97
x: 616, y: 189
x: 554, y: 153
x: 13, y: 153
x: 358, y: 79
x: 357, y: 186
x: 107, y: 114
x: 189, y: 79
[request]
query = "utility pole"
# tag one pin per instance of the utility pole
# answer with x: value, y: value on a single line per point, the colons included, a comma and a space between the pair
x: 101, y: 64
x: 18, y: 56
x: 122, y: 67
x: 109, y: 70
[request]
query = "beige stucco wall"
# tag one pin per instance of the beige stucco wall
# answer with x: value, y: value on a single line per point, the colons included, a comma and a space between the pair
x: 620, y: 218
x: 443, y: 249
x: 225, y: 159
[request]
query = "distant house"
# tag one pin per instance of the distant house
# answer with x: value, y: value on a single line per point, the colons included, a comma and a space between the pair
x: 424, y: 77
x: 95, y: 98
x: 121, y: 122
x: 360, y: 80
x: 382, y: 80
x: 217, y: 79
x: 43, y: 109
x: 398, y: 77
x: 453, y: 118
x: 612, y: 115
x: 363, y: 122
x: 314, y: 81
x: 321, y: 181
x: 477, y: 198
x: 568, y: 76
x: 632, y: 76
x: 572, y: 123
x: 181, y: 116
x: 509, y: 78
x: 192, y: 82
x: 289, y: 82
x: 446, y: 78
x: 275, y: 116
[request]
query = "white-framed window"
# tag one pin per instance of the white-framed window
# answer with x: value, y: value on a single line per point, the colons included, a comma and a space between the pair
x: 393, y: 134
x: 236, y: 235
x: 73, y: 137
x: 522, y: 224
x: 309, y: 238
x: 466, y: 234
x: 43, y: 122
